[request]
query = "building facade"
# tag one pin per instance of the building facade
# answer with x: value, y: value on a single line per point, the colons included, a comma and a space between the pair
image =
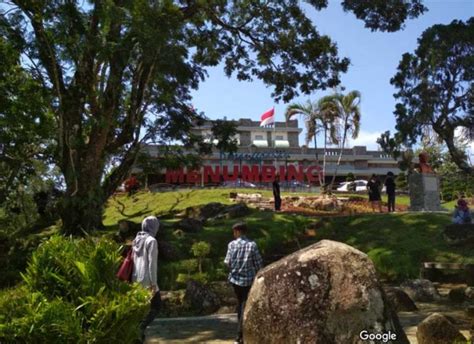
x: 266, y: 153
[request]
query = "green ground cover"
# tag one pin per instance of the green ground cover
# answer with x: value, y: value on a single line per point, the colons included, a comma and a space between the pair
x: 397, y: 243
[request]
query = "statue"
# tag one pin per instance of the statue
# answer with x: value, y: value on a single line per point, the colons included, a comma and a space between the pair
x: 424, y: 166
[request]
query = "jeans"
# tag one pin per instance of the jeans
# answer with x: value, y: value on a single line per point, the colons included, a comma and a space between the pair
x: 155, y: 306
x: 242, y: 294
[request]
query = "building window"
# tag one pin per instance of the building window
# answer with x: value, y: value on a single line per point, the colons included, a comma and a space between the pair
x: 258, y: 137
x: 279, y: 137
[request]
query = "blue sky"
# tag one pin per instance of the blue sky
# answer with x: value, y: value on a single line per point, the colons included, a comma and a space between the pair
x: 374, y: 59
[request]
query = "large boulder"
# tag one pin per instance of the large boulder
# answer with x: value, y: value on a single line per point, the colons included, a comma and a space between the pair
x: 457, y: 295
x: 190, y: 225
x: 203, y: 212
x: 326, y: 293
x: 201, y: 298
x: 400, y: 300
x: 437, y: 329
x: 237, y: 210
x: 421, y: 290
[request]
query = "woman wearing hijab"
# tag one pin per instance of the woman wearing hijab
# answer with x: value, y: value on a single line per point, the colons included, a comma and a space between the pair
x: 462, y: 214
x: 145, y: 266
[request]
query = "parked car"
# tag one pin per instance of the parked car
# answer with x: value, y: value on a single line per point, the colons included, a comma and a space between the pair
x: 360, y: 184
x: 239, y: 183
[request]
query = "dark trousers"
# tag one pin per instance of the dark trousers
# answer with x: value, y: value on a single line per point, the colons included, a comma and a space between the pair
x: 155, y: 306
x: 391, y: 201
x: 277, y: 202
x: 242, y: 294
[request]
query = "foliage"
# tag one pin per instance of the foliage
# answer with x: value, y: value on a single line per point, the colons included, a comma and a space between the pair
x: 346, y: 111
x: 200, y: 250
x: 435, y: 87
x: 350, y: 177
x: 26, y: 135
x: 71, y: 294
x: 112, y: 69
x: 401, y: 181
x: 318, y: 119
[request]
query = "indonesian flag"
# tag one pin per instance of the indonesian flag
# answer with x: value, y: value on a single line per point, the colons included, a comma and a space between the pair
x: 268, y: 117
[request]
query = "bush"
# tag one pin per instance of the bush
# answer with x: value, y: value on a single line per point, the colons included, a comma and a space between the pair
x: 71, y: 295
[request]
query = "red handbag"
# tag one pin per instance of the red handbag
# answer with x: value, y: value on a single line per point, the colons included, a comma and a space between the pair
x: 125, y: 271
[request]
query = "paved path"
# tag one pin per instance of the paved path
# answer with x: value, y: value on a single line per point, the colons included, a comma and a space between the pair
x: 220, y: 328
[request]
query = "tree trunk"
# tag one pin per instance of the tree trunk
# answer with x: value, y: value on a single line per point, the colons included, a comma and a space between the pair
x: 458, y: 156
x: 324, y: 157
x: 340, y: 156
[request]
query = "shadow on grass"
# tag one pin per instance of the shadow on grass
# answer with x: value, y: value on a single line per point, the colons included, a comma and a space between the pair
x: 192, y: 330
x: 397, y: 243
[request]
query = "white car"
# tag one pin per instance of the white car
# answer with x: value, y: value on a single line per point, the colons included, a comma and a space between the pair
x: 361, y: 185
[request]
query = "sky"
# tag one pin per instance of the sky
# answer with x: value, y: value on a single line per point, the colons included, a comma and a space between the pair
x: 374, y: 59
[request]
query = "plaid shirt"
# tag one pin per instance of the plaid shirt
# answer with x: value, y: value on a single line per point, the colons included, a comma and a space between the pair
x: 243, y: 260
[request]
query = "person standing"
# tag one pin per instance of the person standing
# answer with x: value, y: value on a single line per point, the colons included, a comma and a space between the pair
x: 390, y: 189
x: 373, y: 186
x: 243, y: 260
x: 145, y: 266
x: 276, y: 193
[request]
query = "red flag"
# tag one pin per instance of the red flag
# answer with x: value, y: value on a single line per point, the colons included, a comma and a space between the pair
x: 268, y: 117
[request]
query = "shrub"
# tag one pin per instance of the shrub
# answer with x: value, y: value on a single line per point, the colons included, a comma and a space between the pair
x: 71, y: 295
x: 200, y: 250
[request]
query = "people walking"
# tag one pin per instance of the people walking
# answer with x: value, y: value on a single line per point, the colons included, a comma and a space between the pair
x: 243, y: 260
x: 276, y: 193
x: 390, y: 189
x: 373, y: 186
x: 145, y: 266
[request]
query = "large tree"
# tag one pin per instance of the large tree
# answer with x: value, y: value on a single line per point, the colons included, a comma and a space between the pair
x: 436, y: 89
x: 120, y: 72
x: 26, y: 126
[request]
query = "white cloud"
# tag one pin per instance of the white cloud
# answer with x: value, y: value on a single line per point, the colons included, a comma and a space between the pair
x: 366, y: 138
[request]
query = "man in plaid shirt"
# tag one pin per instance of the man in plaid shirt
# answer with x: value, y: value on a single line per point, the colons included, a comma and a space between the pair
x: 243, y: 260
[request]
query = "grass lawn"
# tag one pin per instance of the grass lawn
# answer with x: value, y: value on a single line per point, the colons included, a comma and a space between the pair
x: 396, y: 243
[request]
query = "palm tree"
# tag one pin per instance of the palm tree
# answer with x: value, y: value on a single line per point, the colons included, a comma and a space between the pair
x: 346, y: 109
x: 318, y: 118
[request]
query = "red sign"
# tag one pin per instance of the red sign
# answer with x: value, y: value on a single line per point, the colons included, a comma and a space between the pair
x: 248, y: 173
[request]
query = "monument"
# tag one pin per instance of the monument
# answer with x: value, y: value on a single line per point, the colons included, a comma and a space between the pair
x: 424, y: 187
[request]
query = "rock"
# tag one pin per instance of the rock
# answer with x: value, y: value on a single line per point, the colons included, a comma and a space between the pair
x: 325, y: 203
x: 469, y: 293
x: 128, y: 229
x: 436, y: 329
x: 457, y: 295
x: 201, y: 298
x: 203, y: 212
x: 190, y: 225
x: 167, y: 251
x: 421, y: 290
x: 325, y: 293
x: 237, y: 210
x: 459, y: 234
x: 400, y: 300
x: 470, y: 311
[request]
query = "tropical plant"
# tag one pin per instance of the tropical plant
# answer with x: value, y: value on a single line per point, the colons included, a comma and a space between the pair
x: 71, y: 294
x: 318, y: 119
x: 200, y: 250
x: 344, y: 108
